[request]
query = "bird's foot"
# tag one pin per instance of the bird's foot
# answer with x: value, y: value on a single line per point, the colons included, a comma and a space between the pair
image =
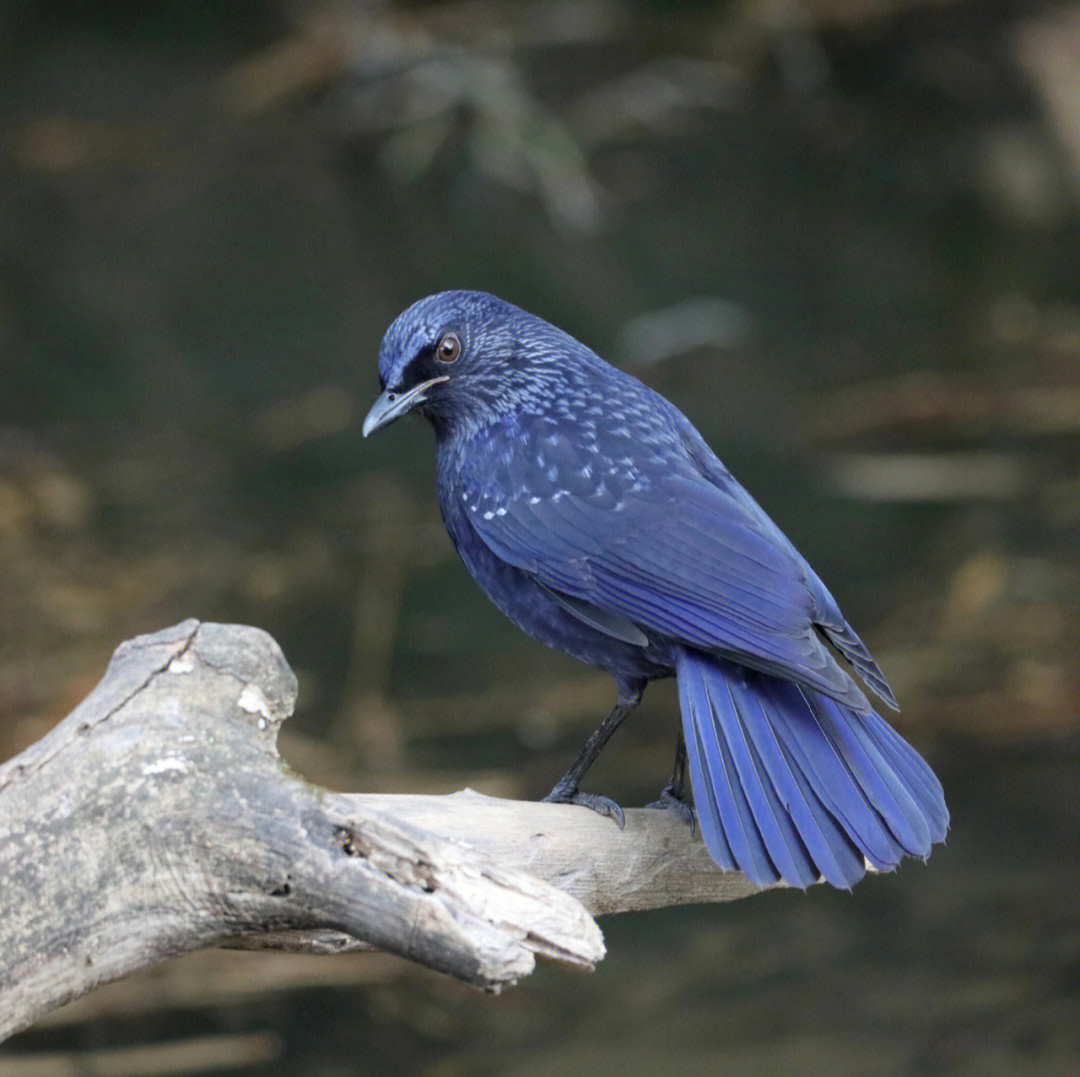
x: 602, y: 805
x: 671, y: 800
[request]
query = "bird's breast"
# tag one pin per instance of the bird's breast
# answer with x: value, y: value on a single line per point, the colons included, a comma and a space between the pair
x: 533, y: 608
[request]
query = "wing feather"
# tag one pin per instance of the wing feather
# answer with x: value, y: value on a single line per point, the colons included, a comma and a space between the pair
x: 682, y: 559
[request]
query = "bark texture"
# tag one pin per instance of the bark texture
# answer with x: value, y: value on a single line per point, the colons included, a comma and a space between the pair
x: 158, y: 818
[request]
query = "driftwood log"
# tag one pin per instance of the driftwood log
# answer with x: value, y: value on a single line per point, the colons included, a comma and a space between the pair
x: 158, y: 818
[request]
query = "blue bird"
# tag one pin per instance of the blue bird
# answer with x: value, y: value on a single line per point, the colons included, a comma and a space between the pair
x: 594, y: 515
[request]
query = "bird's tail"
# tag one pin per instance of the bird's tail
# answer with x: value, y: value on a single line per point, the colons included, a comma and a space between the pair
x: 791, y: 785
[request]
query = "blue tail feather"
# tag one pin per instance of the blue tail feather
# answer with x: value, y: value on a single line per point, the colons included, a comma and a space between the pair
x: 792, y: 785
x: 746, y: 821
x: 720, y: 811
x: 708, y: 811
x: 915, y: 771
x: 743, y: 835
x: 790, y: 859
x: 875, y: 777
x: 826, y: 770
x: 831, y: 853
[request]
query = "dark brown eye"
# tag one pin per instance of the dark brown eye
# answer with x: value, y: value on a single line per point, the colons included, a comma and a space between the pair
x: 448, y: 348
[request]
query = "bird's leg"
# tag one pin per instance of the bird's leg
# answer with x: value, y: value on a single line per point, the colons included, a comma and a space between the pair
x: 566, y: 788
x: 673, y: 795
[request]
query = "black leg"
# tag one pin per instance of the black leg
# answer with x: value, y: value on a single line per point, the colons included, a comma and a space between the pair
x: 566, y: 788
x: 673, y: 795
x: 677, y: 786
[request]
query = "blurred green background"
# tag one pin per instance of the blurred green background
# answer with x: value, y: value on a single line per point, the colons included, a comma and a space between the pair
x: 842, y: 235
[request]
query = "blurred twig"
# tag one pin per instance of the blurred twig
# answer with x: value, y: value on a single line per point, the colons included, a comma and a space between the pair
x: 195, y: 1054
x: 366, y: 718
x: 1048, y: 50
x: 932, y: 399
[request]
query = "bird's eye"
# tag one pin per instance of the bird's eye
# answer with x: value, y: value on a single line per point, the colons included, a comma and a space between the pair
x: 448, y: 348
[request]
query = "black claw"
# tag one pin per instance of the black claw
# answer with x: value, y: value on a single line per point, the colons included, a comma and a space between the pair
x: 673, y: 802
x: 602, y: 805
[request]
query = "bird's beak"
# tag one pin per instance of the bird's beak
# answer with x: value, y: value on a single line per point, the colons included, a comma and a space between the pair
x: 392, y: 405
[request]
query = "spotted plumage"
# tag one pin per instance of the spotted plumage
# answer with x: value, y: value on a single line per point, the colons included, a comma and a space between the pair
x: 594, y: 515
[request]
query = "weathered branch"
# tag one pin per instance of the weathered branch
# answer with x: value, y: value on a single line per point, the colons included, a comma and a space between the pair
x: 158, y: 818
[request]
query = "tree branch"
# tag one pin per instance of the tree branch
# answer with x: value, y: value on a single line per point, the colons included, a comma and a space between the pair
x: 158, y: 818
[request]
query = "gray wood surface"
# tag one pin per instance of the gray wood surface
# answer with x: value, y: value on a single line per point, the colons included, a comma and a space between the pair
x: 158, y: 818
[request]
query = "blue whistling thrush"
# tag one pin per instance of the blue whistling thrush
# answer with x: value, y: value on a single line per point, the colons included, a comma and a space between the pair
x: 593, y: 514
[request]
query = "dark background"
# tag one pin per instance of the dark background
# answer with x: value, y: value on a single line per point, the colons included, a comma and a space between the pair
x: 841, y: 235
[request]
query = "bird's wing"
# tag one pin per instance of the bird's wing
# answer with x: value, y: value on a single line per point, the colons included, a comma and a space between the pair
x: 678, y: 556
x: 827, y: 612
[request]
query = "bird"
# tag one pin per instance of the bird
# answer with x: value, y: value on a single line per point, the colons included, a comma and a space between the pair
x: 593, y: 514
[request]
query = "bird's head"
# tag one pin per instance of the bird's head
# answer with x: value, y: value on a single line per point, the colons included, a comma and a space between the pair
x: 461, y: 358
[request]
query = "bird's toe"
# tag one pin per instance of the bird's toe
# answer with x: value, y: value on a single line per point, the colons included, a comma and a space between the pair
x: 670, y: 801
x: 602, y: 805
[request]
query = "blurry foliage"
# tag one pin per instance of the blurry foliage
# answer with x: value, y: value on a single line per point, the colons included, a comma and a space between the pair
x: 841, y: 235
x: 791, y: 217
